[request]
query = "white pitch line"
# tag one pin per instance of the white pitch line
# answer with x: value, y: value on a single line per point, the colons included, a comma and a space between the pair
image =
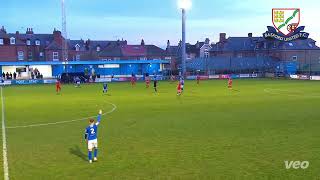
x: 63, y: 122
x: 4, y: 143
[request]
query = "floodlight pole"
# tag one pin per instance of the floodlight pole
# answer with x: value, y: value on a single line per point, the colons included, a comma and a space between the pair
x: 183, y: 56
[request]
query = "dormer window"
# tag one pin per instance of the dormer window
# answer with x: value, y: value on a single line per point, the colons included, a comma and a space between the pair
x: 77, y: 47
x: 37, y: 42
x: 12, y: 40
x: 1, y: 41
x: 28, y: 42
x: 98, y: 49
x: 206, y: 53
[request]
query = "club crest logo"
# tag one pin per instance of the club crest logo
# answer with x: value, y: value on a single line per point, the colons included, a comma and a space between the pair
x: 286, y: 21
x: 286, y: 25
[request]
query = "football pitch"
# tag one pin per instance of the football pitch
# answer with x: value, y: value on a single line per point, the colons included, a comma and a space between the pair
x: 209, y: 132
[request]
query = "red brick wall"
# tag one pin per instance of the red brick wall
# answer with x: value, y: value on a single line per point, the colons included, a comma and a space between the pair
x: 10, y: 52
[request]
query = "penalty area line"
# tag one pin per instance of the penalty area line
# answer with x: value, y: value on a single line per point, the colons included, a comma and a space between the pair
x: 4, y: 143
x: 63, y: 122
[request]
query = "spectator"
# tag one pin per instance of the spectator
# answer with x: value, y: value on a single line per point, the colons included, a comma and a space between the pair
x: 7, y: 74
x: 10, y: 75
x: 14, y: 75
x: 32, y: 75
x: 3, y: 75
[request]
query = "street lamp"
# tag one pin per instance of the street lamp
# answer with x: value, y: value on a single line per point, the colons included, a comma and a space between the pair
x: 184, y: 5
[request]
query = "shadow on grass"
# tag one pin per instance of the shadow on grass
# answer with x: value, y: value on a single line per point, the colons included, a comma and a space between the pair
x: 77, y: 152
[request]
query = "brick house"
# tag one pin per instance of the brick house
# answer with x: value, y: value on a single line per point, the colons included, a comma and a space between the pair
x: 303, y: 51
x: 121, y: 50
x: 49, y: 47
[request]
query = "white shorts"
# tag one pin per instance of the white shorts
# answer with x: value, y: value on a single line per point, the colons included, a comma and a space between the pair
x: 92, y: 144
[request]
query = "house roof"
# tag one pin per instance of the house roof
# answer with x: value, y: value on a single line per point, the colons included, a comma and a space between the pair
x: 45, y: 39
x: 111, y: 51
x: 54, y: 46
x: 133, y: 50
x: 250, y: 43
x: 298, y: 44
x: 172, y: 51
x: 153, y: 50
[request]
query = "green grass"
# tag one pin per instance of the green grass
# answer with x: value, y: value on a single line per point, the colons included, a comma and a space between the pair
x: 208, y: 133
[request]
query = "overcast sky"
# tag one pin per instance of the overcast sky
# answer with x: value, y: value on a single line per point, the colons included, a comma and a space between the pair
x: 155, y: 21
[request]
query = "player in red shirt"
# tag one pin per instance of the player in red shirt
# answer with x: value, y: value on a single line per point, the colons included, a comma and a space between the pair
x: 147, y: 82
x: 58, y: 86
x: 198, y: 79
x: 230, y: 83
x: 133, y: 80
x: 179, y: 89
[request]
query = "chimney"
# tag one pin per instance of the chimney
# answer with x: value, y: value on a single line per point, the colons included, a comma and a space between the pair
x: 29, y: 31
x: 57, y: 36
x: 250, y: 35
x: 3, y: 30
x: 222, y: 37
x: 207, y: 41
x: 168, y: 44
x: 142, y: 42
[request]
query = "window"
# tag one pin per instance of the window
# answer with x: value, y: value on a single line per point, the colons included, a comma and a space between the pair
x: 1, y: 41
x: 77, y: 47
x: 20, y: 56
x: 265, y: 45
x: 37, y: 42
x: 294, y: 58
x: 143, y: 58
x: 55, y: 56
x: 274, y: 45
x: 206, y: 53
x: 98, y: 48
x: 12, y: 40
x: 310, y: 45
x: 78, y: 57
x: 28, y: 42
x: 257, y: 46
x: 29, y: 55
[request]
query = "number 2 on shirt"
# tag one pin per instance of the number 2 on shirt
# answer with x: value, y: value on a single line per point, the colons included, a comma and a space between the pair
x: 92, y: 131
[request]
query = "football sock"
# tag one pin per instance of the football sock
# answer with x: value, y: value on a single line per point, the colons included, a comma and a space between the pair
x: 90, y: 155
x: 95, y: 152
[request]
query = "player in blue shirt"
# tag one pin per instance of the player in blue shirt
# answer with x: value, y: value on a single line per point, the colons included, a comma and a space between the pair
x: 105, y: 88
x: 91, y: 137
